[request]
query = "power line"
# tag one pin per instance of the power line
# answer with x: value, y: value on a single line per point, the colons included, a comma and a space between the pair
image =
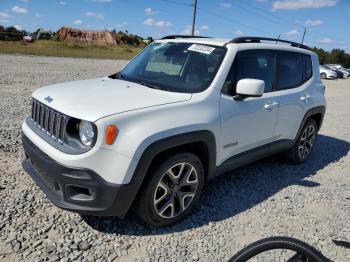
x: 271, y: 16
x: 258, y: 13
x: 177, y: 3
x: 219, y: 16
x: 313, y: 33
x: 262, y: 14
x: 283, y: 22
x: 233, y: 21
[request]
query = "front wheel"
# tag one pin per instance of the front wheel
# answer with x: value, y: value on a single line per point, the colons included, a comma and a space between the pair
x: 323, y: 75
x: 172, y: 190
x: 304, y: 144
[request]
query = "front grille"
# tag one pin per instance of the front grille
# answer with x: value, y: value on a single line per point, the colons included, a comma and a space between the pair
x: 48, y: 120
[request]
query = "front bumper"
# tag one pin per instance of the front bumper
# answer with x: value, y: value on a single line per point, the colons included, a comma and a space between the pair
x: 74, y: 189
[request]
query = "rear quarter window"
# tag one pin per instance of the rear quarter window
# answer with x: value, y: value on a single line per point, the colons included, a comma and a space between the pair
x: 308, y: 67
x: 289, y: 69
x: 293, y: 69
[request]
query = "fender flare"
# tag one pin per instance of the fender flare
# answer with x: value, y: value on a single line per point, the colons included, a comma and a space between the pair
x: 159, y: 146
x: 315, y: 110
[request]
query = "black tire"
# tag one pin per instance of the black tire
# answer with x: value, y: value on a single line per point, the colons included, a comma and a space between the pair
x: 153, y: 193
x: 295, y: 155
x: 304, y: 252
x: 323, y: 75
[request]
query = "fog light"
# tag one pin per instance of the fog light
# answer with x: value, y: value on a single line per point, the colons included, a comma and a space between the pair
x: 80, y: 193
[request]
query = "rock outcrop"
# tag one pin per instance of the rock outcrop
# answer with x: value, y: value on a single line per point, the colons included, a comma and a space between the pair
x: 87, y: 36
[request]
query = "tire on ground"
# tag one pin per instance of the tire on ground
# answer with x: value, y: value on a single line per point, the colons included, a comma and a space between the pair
x: 145, y: 205
x: 293, y: 155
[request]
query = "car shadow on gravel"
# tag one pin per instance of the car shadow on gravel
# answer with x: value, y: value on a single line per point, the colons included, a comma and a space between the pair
x: 237, y: 191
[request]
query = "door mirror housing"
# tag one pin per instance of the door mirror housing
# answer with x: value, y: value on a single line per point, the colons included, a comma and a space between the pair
x: 249, y: 87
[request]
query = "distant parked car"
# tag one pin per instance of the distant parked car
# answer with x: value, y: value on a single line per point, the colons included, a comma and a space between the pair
x: 344, y: 69
x: 327, y: 73
x: 28, y: 39
x: 345, y: 72
x: 339, y: 73
x: 337, y: 66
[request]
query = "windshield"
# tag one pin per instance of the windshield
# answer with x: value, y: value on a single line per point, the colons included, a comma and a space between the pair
x: 175, y: 67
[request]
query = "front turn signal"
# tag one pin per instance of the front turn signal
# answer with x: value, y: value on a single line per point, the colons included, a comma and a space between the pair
x: 111, y: 134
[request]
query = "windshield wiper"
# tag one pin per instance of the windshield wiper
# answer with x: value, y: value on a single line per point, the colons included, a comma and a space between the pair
x: 147, y: 84
x: 120, y: 76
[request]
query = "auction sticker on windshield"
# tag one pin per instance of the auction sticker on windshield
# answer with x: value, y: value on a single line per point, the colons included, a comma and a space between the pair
x: 201, y: 49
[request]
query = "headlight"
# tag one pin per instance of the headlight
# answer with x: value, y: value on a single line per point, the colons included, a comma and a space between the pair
x: 86, y: 132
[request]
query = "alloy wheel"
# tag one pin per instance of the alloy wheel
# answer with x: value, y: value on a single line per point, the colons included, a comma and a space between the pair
x: 175, y: 190
x: 306, y: 142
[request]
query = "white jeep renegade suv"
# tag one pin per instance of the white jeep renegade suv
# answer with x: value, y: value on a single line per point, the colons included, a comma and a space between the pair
x: 180, y: 113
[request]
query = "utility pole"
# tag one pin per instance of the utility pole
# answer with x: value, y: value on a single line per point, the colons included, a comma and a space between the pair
x: 194, y: 16
x: 302, y: 41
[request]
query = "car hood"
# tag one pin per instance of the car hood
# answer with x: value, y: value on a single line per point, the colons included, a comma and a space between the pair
x: 331, y: 72
x: 96, y: 98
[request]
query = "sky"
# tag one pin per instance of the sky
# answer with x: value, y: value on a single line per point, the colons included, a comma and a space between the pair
x: 327, y: 22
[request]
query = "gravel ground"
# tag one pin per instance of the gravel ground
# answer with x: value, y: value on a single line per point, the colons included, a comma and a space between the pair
x: 268, y: 198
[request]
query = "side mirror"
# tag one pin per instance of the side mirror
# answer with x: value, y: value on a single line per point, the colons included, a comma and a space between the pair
x: 249, y: 87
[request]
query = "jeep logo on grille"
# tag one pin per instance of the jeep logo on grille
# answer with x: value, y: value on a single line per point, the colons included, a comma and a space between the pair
x: 49, y: 99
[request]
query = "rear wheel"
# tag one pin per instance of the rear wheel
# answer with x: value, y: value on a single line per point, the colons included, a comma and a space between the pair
x: 304, y: 144
x: 172, y: 190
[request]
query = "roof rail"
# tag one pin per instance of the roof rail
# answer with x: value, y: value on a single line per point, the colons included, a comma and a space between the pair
x: 182, y: 36
x: 253, y: 39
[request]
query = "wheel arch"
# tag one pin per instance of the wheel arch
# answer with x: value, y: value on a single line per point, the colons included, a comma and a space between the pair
x: 318, y: 117
x: 316, y: 113
x: 202, y: 143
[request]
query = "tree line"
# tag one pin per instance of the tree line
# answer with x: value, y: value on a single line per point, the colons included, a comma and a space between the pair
x: 336, y: 56
x: 11, y: 33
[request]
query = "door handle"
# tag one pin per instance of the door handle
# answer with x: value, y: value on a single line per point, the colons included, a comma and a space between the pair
x: 305, y: 98
x: 271, y: 105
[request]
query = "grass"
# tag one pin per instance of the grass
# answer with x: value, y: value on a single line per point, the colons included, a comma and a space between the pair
x: 69, y: 49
